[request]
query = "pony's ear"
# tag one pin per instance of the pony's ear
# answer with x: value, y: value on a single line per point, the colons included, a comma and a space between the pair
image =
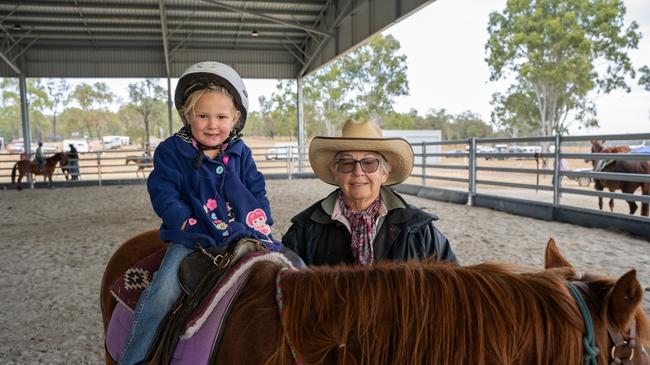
x: 553, y: 258
x: 624, y: 299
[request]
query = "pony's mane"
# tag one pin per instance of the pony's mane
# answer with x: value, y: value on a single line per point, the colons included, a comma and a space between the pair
x: 456, y: 315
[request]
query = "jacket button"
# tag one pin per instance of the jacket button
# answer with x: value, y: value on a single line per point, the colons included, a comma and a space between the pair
x: 219, y: 170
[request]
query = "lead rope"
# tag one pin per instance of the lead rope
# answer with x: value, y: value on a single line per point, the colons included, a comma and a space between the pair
x: 279, y: 297
x: 589, y: 339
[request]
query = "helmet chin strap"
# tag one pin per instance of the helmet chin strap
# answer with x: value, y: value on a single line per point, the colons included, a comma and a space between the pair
x: 234, y: 136
x: 201, y: 147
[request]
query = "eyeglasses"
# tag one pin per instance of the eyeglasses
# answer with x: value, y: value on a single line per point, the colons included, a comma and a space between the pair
x: 347, y: 165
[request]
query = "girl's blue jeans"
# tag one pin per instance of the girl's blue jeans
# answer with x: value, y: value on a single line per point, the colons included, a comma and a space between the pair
x: 154, y: 303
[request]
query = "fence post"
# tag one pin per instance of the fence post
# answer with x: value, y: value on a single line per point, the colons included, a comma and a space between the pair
x: 289, y: 162
x: 472, y: 170
x: 99, y: 168
x: 556, y: 172
x: 424, y: 162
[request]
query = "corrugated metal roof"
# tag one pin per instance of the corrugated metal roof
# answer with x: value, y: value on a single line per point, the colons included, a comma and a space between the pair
x: 92, y: 38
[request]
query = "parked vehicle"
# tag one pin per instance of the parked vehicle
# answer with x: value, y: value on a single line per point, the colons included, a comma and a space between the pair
x: 16, y: 146
x: 113, y: 142
x: 283, y: 151
x: 80, y: 144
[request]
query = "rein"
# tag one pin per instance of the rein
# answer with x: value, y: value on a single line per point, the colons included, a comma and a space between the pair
x: 589, y: 339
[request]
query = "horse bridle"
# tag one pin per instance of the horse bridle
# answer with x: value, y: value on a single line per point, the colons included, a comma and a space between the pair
x: 623, y: 348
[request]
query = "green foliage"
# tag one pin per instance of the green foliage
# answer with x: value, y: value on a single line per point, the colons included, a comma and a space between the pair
x: 644, y: 79
x: 58, y: 92
x: 147, y: 99
x: 551, y: 48
x: 361, y: 84
x: 94, y: 101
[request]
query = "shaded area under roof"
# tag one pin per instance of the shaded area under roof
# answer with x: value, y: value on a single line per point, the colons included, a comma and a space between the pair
x: 160, y: 38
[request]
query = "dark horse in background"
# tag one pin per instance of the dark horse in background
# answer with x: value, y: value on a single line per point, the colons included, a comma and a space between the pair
x: 23, y: 167
x: 620, y: 166
x: 419, y: 313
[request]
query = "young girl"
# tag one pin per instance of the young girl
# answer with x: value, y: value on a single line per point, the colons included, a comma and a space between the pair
x: 205, y: 187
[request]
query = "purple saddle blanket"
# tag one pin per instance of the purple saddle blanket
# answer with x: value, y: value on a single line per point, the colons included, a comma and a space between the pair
x: 206, y: 322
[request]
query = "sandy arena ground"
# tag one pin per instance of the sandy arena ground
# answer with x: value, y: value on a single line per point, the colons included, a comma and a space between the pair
x: 54, y: 245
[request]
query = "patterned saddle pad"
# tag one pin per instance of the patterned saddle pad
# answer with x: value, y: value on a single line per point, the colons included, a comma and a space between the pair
x: 206, y: 322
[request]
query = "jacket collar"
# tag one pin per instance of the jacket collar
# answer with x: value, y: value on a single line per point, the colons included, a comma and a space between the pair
x: 183, y: 141
x: 393, y: 203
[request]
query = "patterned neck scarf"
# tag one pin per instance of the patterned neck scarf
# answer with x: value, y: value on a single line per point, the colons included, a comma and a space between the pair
x: 363, y: 225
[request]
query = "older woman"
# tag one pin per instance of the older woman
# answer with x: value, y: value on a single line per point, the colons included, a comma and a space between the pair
x: 363, y: 221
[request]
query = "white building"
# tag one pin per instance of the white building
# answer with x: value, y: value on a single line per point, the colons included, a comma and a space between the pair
x: 416, y: 137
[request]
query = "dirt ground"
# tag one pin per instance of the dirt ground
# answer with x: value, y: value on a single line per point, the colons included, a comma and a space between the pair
x: 54, y: 245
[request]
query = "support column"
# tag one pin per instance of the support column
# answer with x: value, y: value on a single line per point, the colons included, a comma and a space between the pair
x: 301, y: 127
x: 169, y: 105
x: 24, y: 113
x: 556, y: 172
x: 472, y: 170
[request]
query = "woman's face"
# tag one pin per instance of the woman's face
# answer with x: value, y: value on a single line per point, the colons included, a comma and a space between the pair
x: 359, y: 188
x: 214, y: 117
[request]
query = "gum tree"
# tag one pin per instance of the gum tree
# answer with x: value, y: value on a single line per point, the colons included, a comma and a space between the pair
x: 557, y: 52
x: 146, y: 98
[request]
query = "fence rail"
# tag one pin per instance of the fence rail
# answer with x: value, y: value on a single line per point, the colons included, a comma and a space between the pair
x: 496, y: 172
x: 532, y: 183
x: 135, y: 164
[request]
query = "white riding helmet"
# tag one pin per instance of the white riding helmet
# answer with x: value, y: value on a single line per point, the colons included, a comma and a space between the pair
x: 199, y: 75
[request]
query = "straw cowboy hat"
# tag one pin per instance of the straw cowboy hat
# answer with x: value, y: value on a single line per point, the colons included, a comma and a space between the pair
x: 361, y: 136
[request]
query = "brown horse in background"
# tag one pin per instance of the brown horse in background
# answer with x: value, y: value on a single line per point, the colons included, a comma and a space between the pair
x: 621, y: 166
x: 25, y: 166
x: 418, y: 313
x: 142, y: 162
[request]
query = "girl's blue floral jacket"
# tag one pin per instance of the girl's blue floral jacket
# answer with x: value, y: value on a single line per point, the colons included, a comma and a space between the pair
x: 220, y: 201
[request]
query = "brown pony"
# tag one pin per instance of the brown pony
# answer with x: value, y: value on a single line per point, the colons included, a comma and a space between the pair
x: 142, y: 162
x: 418, y: 313
x: 621, y: 166
x: 25, y: 166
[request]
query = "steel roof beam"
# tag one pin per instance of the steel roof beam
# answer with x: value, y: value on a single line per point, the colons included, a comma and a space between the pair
x: 64, y: 10
x: 267, y: 17
x: 163, y: 25
x: 342, y: 14
x: 10, y: 63
x: 11, y: 12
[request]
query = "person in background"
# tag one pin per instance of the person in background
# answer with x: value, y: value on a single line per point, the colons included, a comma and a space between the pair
x: 73, y: 161
x: 39, y: 159
x: 363, y: 221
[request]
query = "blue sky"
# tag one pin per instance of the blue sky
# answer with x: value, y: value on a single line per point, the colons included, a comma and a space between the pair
x: 444, y: 44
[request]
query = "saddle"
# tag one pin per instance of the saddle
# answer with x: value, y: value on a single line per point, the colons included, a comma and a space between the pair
x: 199, y: 273
x: 196, y: 267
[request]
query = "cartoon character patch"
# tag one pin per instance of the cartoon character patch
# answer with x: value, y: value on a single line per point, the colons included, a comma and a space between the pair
x: 256, y: 219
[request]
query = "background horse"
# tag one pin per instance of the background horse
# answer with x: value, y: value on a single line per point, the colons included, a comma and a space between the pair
x: 142, y: 162
x: 620, y: 166
x: 417, y: 313
x: 25, y: 166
